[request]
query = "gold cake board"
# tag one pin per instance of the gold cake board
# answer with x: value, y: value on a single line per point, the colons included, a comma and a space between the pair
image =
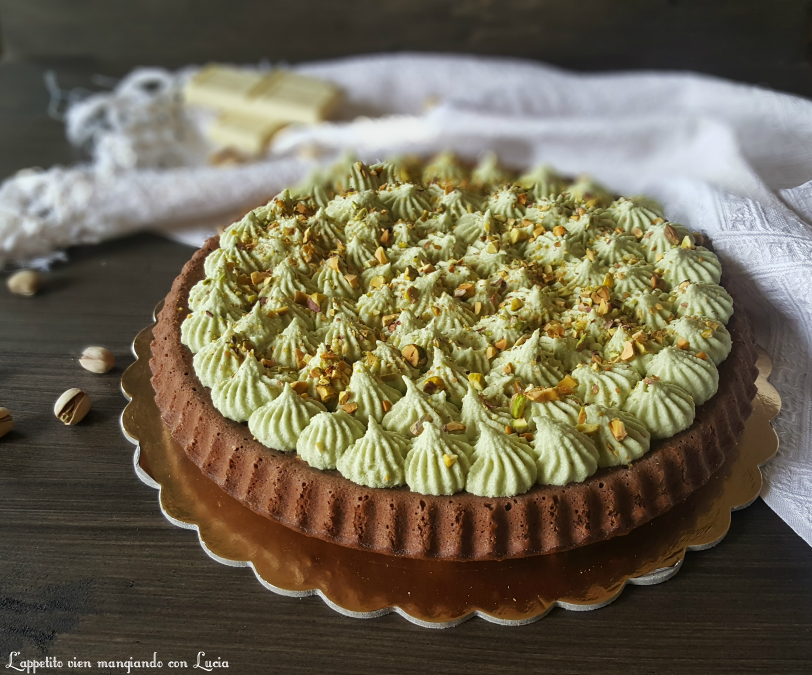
x: 430, y: 593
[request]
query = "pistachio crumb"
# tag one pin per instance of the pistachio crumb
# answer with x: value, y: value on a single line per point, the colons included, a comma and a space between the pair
x: 618, y: 429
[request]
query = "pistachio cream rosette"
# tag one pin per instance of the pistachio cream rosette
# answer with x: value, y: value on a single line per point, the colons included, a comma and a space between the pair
x: 289, y: 280
x: 259, y: 327
x: 437, y: 221
x: 635, y: 213
x: 697, y: 375
x: 605, y: 384
x: 415, y: 405
x: 221, y: 290
x: 473, y: 226
x: 469, y: 349
x: 665, y: 409
x: 406, y: 201
x: 456, y: 203
x: 218, y: 360
x: 330, y: 309
x: 458, y: 329
x: 661, y: 238
x: 701, y: 336
x: 279, y: 423
x: 445, y: 375
x: 566, y: 349
x: 343, y: 207
x: 619, y: 436
x: 542, y: 182
x: 246, y: 390
x: 324, y: 376
x: 445, y: 168
x: 349, y: 338
x: 404, y: 259
x: 426, y: 338
x: 630, y: 276
x: 500, y: 327
x: 560, y: 214
x: 487, y: 257
x: 285, y: 308
x: 441, y: 246
x: 689, y: 263
x: 455, y: 273
x: 387, y: 363
x: 220, y: 261
x: 377, y: 459
x: 368, y: 396
x: 534, y: 306
x: 360, y: 248
x: 243, y: 233
x: 452, y: 314
x: 292, y: 344
x: 559, y: 408
x: 372, y: 307
x: 554, y: 248
x: 585, y: 273
x: 635, y: 346
x: 378, y: 276
x: 503, y: 466
x: 563, y: 454
x: 404, y: 236
x: 399, y: 326
x: 437, y: 464
x: 326, y: 438
x: 588, y: 191
x: 324, y: 229
x: 526, y: 363
x: 650, y: 308
x: 617, y: 248
x: 489, y: 174
x: 207, y: 323
x: 703, y: 299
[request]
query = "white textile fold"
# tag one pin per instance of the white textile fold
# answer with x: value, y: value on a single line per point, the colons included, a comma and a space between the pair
x: 732, y: 160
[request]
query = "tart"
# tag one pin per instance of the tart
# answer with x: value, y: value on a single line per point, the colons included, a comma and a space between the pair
x: 435, y: 361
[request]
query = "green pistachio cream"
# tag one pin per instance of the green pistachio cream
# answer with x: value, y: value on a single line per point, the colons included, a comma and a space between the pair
x: 445, y: 328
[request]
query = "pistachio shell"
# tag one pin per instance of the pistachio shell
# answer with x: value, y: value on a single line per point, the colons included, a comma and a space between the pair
x: 72, y: 406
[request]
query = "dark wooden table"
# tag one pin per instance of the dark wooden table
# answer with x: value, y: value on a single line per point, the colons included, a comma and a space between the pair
x: 89, y: 567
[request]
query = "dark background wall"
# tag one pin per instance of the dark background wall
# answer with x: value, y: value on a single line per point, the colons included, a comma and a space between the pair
x: 760, y: 41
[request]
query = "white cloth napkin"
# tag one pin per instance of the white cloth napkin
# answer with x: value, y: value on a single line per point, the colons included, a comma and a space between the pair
x: 731, y: 160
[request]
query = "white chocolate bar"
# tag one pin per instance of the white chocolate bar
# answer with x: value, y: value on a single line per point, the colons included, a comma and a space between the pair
x: 278, y: 95
x: 220, y: 88
x: 285, y: 95
x: 243, y: 132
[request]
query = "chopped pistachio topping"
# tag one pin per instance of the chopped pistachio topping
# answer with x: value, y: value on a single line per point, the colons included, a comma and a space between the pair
x: 457, y: 299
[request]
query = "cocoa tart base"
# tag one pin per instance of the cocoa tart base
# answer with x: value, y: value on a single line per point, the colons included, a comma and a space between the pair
x: 324, y: 504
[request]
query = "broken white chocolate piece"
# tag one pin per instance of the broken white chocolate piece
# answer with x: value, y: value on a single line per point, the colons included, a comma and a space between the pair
x: 221, y: 88
x: 279, y: 96
x: 292, y: 97
x: 243, y: 132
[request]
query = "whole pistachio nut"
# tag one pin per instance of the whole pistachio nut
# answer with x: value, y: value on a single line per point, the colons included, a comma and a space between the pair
x: 97, y: 359
x: 25, y: 282
x: 6, y: 421
x: 72, y: 406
